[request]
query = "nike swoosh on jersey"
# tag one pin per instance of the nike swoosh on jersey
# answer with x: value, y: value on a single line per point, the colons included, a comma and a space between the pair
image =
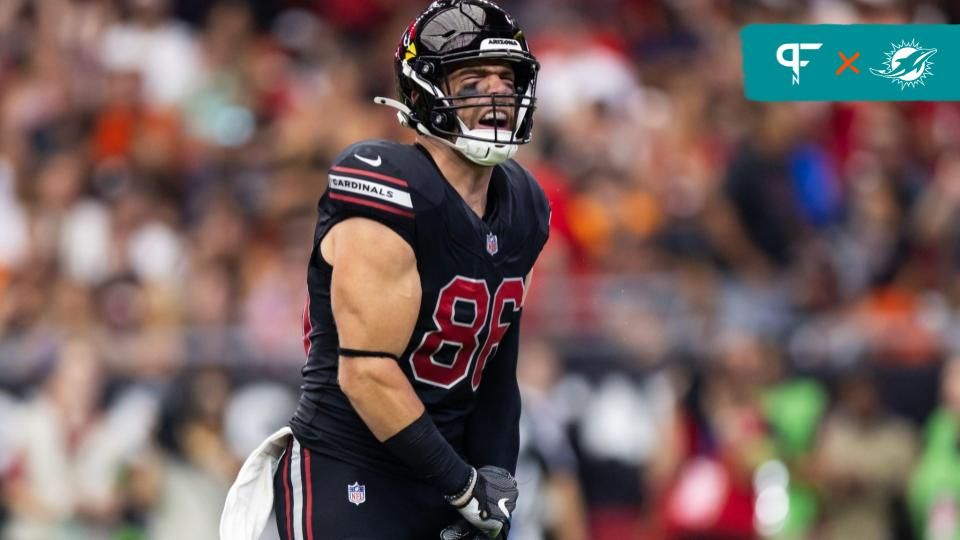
x: 502, y: 504
x: 368, y: 161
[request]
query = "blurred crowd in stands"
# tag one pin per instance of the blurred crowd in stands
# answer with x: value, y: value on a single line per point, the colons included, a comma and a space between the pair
x: 746, y: 323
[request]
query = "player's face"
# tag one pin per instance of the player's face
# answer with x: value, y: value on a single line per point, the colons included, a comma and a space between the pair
x: 482, y: 80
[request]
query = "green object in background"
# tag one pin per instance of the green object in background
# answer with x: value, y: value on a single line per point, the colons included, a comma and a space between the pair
x: 934, y: 489
x: 855, y: 62
x: 130, y: 533
x: 803, y: 511
x: 794, y: 410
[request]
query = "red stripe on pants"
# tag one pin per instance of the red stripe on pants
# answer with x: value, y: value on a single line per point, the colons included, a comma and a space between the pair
x: 286, y: 490
x: 309, y: 484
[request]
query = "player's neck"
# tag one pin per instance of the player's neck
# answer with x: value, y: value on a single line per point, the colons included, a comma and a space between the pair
x: 471, y: 181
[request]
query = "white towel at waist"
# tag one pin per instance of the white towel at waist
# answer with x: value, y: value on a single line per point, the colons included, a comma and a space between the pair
x: 250, y: 500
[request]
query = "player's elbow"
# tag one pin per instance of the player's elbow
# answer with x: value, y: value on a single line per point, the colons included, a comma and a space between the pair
x: 361, y: 376
x: 350, y: 378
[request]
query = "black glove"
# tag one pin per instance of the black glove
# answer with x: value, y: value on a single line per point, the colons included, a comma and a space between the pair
x: 463, y: 530
x: 486, y: 503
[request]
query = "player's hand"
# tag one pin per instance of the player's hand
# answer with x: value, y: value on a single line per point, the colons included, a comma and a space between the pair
x: 463, y: 530
x: 488, y: 502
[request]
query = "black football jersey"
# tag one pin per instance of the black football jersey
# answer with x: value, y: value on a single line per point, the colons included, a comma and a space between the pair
x: 472, y: 272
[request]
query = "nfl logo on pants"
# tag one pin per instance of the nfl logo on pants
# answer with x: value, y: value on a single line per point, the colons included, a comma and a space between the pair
x: 356, y: 493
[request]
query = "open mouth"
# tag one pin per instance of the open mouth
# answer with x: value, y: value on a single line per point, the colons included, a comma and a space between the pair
x: 496, y: 120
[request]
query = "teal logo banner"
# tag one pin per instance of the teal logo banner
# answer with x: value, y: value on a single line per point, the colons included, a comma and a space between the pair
x: 858, y: 62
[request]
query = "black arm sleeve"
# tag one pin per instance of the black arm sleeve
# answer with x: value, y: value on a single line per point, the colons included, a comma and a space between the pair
x: 493, y: 428
x: 422, y: 448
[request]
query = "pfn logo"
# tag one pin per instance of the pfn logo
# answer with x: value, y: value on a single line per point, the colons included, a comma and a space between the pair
x: 794, y: 62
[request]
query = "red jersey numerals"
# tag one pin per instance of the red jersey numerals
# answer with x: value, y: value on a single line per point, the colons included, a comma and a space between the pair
x: 509, y: 292
x: 465, y: 336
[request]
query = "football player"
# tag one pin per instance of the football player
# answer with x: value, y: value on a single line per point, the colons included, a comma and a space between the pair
x: 407, y: 425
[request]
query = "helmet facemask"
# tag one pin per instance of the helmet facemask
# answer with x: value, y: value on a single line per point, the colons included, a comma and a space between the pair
x: 442, y: 113
x: 455, y: 35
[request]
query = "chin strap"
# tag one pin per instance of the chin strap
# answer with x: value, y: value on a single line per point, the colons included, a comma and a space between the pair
x: 486, y: 153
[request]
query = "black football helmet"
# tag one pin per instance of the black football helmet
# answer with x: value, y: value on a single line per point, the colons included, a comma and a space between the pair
x: 450, y: 33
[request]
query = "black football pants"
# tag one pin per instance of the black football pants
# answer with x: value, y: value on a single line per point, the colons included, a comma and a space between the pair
x: 318, y: 498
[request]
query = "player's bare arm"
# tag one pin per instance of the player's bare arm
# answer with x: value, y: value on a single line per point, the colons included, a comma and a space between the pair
x: 375, y: 293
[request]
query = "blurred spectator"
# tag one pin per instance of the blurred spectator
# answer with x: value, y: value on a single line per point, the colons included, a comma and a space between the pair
x: 547, y: 469
x: 70, y: 452
x: 862, y: 460
x: 161, y: 51
x: 934, y: 488
x: 725, y: 438
x: 617, y: 411
x: 185, y: 481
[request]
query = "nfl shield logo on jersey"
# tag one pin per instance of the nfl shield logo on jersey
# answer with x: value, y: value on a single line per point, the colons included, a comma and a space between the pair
x: 356, y: 493
x: 492, y: 246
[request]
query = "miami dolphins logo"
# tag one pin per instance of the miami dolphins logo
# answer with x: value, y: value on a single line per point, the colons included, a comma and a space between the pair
x: 907, y: 64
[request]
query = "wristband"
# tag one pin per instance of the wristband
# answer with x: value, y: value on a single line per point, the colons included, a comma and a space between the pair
x: 461, y: 499
x: 353, y: 353
x: 422, y: 448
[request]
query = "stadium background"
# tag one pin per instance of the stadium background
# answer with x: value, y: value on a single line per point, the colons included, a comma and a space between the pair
x: 743, y: 324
